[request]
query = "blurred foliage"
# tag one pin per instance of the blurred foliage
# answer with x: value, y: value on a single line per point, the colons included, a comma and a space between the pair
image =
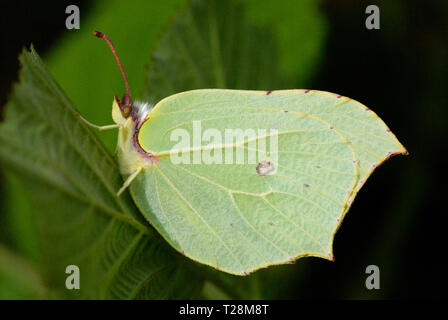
x: 239, y: 46
x: 85, y: 69
x: 300, y: 32
x: 18, y: 279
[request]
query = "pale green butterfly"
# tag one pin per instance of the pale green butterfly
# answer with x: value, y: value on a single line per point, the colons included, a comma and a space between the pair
x: 234, y: 213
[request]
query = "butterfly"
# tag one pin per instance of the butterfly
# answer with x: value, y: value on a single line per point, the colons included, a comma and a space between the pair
x: 239, y: 179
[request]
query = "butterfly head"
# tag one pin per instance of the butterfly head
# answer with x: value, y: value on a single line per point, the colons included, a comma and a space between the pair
x: 121, y: 109
x: 125, y: 105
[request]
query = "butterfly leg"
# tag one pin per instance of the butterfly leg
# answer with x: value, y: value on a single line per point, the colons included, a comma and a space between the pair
x: 116, y: 151
x: 128, y: 181
x: 111, y: 126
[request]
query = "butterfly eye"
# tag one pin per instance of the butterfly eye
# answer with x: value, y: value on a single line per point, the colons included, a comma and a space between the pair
x: 125, y: 105
x: 125, y: 110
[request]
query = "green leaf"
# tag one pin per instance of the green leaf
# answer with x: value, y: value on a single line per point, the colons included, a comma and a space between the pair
x: 72, y: 180
x: 18, y: 218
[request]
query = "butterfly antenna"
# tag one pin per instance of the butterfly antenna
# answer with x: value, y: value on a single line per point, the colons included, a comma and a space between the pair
x: 112, y: 48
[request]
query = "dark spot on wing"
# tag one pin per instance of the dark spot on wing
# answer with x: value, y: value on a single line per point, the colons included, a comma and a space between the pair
x: 264, y: 168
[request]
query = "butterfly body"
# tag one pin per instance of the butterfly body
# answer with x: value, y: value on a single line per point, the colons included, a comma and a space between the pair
x: 131, y: 157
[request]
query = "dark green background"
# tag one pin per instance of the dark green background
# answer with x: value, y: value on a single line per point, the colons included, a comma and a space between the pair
x: 398, y: 220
